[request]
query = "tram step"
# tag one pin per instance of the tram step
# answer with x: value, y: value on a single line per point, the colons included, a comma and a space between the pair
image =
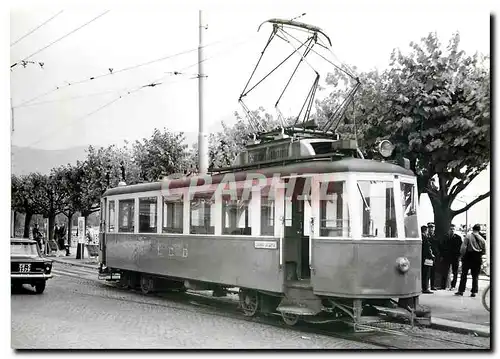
x: 397, y: 312
x: 301, y: 284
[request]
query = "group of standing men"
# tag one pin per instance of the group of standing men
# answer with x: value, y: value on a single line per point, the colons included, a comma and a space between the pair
x: 438, y: 255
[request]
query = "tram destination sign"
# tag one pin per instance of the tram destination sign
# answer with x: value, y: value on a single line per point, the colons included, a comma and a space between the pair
x: 265, y: 244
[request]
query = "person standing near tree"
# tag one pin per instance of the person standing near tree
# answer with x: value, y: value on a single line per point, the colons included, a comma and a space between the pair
x: 435, y: 251
x: 450, y: 252
x: 427, y: 260
x: 472, y: 250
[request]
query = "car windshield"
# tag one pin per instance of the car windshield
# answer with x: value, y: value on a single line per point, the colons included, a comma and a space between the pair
x: 24, y: 249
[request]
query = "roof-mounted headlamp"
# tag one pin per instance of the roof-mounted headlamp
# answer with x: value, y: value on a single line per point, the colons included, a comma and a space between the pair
x: 385, y: 148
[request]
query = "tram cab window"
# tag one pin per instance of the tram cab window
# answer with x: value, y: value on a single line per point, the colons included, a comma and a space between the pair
x: 173, y: 214
x: 267, y: 212
x: 378, y: 206
x: 111, y: 218
x: 409, y: 203
x: 333, y: 211
x: 148, y: 215
x: 126, y: 215
x: 202, y: 210
x: 236, y: 214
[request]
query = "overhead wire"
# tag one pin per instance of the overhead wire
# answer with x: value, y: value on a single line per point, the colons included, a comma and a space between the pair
x: 109, y: 73
x: 153, y: 83
x: 109, y: 103
x: 59, y: 39
x: 36, y: 28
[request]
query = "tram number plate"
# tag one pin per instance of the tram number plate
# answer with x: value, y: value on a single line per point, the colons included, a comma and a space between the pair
x: 25, y: 268
x: 265, y: 244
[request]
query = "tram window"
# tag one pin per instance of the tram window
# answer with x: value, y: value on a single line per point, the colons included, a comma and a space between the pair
x: 126, y: 215
x: 173, y: 215
x: 236, y: 215
x: 333, y: 213
x: 409, y: 209
x: 379, y: 214
x: 267, y: 212
x: 147, y: 215
x: 202, y: 210
x: 111, y: 218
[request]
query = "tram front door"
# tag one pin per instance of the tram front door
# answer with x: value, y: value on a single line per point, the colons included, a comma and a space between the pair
x: 296, y: 244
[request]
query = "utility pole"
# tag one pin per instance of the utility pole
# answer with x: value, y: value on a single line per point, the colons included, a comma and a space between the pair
x: 202, y: 136
x: 12, y: 114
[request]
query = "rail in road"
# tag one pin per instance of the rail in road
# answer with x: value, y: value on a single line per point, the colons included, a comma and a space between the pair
x: 388, y: 335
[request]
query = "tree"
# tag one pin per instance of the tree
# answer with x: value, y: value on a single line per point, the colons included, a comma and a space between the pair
x: 223, y: 146
x: 163, y: 153
x: 47, y: 197
x: 22, y: 193
x: 434, y: 105
x: 70, y: 186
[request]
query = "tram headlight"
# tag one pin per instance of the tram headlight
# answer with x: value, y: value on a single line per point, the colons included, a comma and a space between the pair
x: 403, y: 264
x: 385, y: 148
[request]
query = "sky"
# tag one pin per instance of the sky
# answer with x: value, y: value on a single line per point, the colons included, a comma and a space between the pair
x: 112, y: 108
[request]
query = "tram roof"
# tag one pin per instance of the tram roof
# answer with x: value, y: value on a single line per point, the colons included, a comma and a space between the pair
x: 343, y: 165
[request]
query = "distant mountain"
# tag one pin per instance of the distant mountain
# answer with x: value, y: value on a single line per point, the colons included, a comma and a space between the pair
x: 27, y: 159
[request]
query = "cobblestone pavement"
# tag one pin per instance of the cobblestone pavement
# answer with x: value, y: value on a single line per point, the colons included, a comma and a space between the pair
x: 77, y: 313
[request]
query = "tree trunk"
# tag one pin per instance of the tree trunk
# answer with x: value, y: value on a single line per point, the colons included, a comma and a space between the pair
x: 442, y: 220
x: 52, y: 220
x: 70, y: 227
x: 27, y: 220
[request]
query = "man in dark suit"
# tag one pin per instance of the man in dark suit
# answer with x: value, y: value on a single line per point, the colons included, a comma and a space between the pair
x: 427, y: 260
x: 450, y: 253
x: 434, y: 242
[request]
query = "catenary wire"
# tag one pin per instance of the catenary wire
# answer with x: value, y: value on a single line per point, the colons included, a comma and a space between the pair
x: 62, y: 37
x: 87, y: 79
x: 36, y: 28
x: 153, y: 83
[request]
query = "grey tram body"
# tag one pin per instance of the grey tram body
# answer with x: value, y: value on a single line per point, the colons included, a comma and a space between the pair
x: 347, y: 268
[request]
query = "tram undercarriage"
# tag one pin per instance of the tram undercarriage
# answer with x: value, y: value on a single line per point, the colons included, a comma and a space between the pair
x: 297, y: 303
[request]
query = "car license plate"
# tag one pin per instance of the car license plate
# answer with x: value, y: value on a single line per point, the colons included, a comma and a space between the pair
x: 24, y: 268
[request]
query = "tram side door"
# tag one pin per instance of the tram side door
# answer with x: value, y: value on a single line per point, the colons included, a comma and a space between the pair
x: 296, y: 245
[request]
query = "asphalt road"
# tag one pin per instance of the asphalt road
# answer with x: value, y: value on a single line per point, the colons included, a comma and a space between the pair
x: 77, y: 312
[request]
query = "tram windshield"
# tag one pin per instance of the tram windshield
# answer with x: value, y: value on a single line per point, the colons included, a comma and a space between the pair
x: 379, y: 214
x: 409, y: 203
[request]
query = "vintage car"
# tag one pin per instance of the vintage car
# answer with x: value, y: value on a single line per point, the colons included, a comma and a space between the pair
x: 27, y: 266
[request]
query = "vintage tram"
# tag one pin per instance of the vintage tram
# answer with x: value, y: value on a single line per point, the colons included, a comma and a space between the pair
x: 301, y: 225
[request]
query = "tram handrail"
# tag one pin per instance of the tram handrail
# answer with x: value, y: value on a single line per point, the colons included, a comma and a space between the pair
x: 282, y: 221
x: 311, y: 232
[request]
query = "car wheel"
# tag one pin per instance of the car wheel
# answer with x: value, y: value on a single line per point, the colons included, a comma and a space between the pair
x: 40, y: 287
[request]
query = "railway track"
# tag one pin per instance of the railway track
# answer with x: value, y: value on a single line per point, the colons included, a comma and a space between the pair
x: 391, y: 336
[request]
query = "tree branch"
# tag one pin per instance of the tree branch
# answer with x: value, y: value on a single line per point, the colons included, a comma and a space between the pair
x: 478, y: 199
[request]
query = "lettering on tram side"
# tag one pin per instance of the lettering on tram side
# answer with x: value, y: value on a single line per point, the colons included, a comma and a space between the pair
x: 265, y: 244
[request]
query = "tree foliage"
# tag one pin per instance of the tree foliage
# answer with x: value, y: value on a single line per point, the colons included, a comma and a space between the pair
x: 163, y: 153
x: 223, y: 146
x: 434, y: 104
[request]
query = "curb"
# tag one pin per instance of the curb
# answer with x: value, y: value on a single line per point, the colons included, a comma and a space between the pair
x: 92, y: 266
x: 480, y: 332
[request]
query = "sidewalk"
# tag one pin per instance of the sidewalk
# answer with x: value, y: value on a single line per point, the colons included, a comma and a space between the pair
x: 89, y: 262
x: 448, y: 312
x: 462, y: 314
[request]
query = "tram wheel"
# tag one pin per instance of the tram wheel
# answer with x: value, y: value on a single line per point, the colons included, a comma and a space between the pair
x: 249, y: 302
x: 290, y: 319
x: 147, y: 284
